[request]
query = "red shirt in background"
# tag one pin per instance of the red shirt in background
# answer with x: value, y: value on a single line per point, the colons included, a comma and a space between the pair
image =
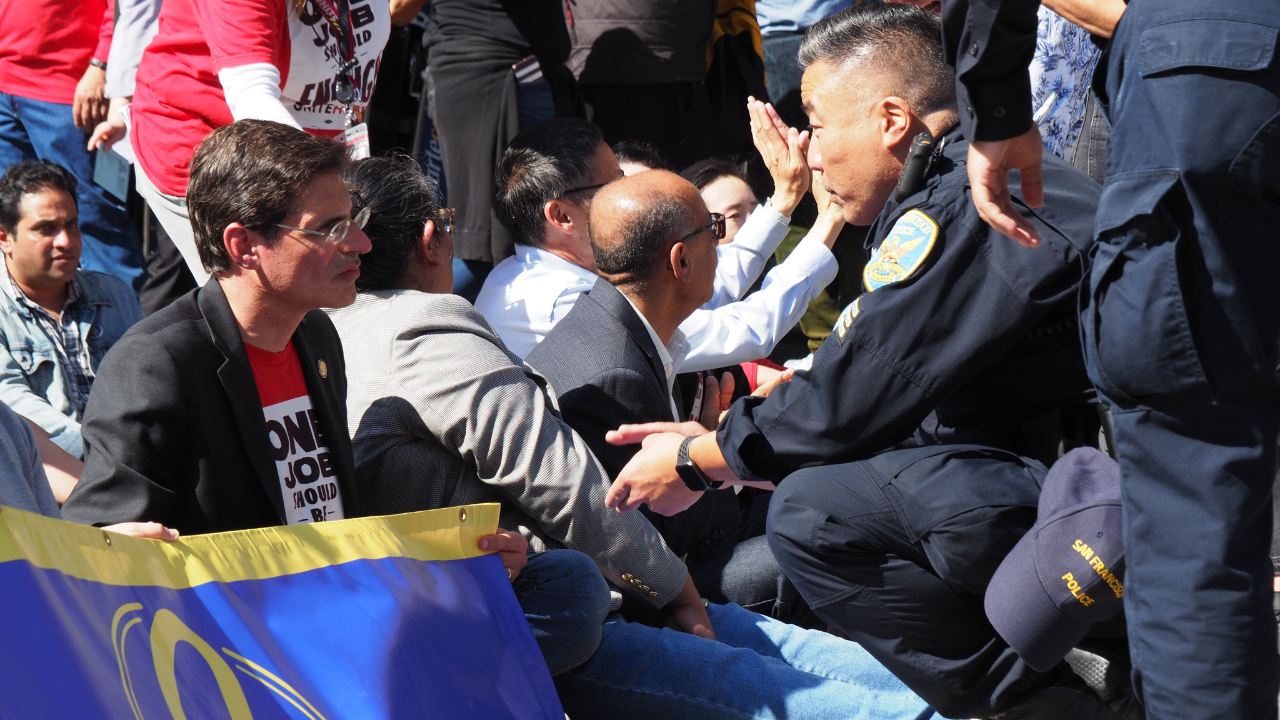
x: 46, y: 45
x: 179, y: 100
x: 308, y: 479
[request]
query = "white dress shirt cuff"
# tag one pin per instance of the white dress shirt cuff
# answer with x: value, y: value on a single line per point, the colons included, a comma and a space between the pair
x: 812, y: 259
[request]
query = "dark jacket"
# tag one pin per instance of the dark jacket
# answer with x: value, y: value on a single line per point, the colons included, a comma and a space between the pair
x: 606, y: 372
x: 174, y: 430
x: 961, y: 337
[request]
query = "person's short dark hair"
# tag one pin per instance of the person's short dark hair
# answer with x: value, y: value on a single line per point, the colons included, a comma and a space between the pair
x: 637, y: 255
x: 31, y: 177
x: 639, y: 152
x: 540, y: 165
x: 705, y: 172
x: 401, y: 199
x: 902, y: 39
x: 251, y: 172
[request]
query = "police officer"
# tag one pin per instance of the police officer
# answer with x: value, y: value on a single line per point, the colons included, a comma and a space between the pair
x: 1181, y: 316
x: 905, y: 458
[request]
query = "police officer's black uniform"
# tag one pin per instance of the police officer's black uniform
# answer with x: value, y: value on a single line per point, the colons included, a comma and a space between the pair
x: 1181, y: 321
x: 917, y: 425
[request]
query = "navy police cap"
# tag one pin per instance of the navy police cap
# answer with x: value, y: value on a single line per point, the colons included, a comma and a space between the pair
x: 1067, y: 572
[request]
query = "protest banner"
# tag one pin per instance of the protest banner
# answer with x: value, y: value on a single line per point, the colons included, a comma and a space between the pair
x: 370, y: 618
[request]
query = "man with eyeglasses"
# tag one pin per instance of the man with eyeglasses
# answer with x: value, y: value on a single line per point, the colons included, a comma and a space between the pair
x: 544, y: 189
x: 614, y: 360
x: 226, y: 410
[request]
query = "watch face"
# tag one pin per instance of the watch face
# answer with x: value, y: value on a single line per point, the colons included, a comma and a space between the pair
x: 692, y: 476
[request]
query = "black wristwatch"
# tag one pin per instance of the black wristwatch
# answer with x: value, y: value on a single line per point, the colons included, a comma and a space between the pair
x: 97, y: 63
x: 690, y: 473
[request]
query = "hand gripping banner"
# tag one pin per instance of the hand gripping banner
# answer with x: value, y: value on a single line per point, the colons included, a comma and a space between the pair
x: 371, y: 618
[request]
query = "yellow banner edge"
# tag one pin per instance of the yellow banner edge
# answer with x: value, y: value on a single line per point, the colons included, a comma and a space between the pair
x: 92, y: 554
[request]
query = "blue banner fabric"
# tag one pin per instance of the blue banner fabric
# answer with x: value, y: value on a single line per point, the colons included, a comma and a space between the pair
x: 370, y: 618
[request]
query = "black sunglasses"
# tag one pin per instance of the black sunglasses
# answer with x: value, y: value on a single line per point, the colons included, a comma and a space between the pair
x: 716, y: 225
x: 584, y: 187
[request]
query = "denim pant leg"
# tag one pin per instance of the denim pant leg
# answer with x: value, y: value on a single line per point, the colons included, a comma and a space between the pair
x: 111, y: 244
x: 565, y: 599
x: 645, y: 672
x: 15, y: 144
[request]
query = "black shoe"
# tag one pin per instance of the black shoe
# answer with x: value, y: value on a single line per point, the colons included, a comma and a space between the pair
x: 1070, y: 700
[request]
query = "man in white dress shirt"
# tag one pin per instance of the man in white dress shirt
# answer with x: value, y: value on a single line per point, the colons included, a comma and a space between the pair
x: 544, y: 187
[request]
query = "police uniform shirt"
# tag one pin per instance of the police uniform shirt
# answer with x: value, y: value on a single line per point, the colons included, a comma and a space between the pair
x: 959, y: 336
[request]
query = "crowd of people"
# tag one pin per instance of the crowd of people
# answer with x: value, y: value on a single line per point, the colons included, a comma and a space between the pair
x: 851, y: 450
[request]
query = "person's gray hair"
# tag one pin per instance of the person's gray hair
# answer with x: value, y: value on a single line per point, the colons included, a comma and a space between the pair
x: 401, y: 199
x: 542, y: 164
x: 901, y: 39
x: 641, y: 249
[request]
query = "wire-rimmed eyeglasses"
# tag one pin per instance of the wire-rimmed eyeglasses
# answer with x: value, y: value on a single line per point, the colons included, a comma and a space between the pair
x: 339, y: 231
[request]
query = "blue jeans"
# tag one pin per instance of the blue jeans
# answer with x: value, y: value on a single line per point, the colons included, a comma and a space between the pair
x: 37, y: 130
x: 565, y: 600
x: 758, y: 668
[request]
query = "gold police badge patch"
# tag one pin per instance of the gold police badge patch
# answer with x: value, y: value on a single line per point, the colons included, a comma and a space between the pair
x: 902, y: 252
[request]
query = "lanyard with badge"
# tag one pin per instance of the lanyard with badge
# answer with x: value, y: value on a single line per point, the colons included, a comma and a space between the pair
x: 356, y: 136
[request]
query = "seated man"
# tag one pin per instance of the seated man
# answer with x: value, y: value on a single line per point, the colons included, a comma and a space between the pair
x: 442, y: 414
x: 227, y: 410
x: 545, y: 183
x: 907, y: 458
x: 58, y: 320
x: 614, y: 360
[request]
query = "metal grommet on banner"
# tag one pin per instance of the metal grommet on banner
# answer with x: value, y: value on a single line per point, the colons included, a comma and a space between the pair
x: 106, y: 536
x: 462, y: 515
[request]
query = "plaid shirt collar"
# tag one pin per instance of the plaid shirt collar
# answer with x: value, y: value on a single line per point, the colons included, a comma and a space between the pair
x: 64, y: 333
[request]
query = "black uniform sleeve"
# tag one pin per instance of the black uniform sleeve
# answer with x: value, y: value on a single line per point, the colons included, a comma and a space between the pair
x: 990, y: 43
x: 912, y: 343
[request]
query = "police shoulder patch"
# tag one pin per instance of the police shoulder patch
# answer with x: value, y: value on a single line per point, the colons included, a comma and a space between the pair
x: 902, y: 252
x: 845, y: 321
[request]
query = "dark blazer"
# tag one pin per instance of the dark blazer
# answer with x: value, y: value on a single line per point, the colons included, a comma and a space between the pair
x: 606, y: 372
x: 174, y: 430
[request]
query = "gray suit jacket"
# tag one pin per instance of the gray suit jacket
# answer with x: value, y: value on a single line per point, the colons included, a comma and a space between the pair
x: 441, y: 414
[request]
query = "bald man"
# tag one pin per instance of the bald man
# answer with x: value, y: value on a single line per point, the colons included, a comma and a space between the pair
x: 614, y: 359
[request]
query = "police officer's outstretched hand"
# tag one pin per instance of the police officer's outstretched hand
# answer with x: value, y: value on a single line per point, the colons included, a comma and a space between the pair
x: 989, y: 165
x: 650, y: 477
x: 785, y: 152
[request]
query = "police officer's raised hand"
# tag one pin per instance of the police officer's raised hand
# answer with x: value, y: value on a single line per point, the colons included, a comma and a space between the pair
x: 784, y: 150
x: 989, y: 165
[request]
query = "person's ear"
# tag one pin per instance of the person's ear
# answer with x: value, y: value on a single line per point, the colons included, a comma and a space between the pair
x: 6, y: 242
x: 240, y: 246
x: 431, y: 249
x: 678, y: 259
x: 558, y: 215
x: 893, y: 117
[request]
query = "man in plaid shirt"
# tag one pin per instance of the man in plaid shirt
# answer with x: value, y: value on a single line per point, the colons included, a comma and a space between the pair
x: 58, y: 321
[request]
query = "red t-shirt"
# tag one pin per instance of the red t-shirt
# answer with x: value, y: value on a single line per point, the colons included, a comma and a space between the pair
x: 308, y: 479
x: 179, y: 99
x: 46, y: 45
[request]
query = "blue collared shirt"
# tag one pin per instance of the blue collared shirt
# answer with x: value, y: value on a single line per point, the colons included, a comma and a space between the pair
x: 48, y: 369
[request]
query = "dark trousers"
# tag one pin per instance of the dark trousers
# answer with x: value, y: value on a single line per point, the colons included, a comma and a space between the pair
x: 1181, y: 322
x: 897, y: 551
x: 783, y: 73
x: 735, y: 565
x: 168, y: 277
x: 675, y: 117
